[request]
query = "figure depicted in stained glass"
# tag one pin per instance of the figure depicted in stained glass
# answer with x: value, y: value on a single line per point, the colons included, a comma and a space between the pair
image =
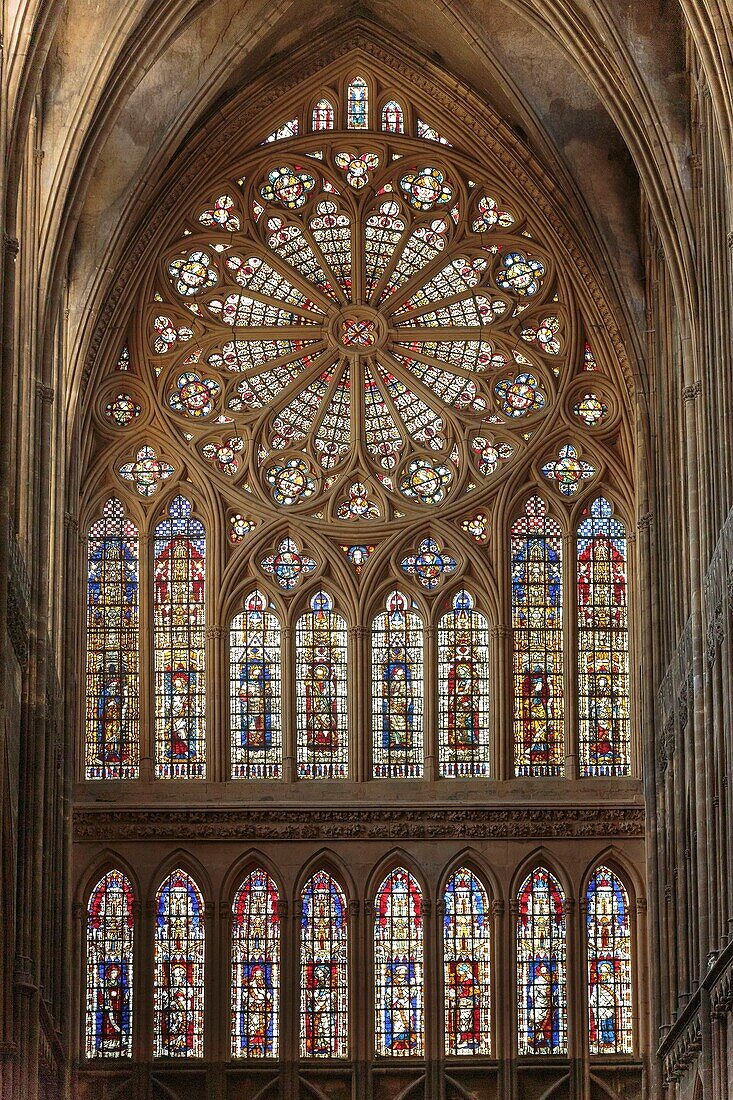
x: 112, y: 695
x: 109, y: 948
x: 255, y: 968
x: 537, y: 621
x: 603, y: 645
x: 324, y: 974
x: 463, y: 689
x: 397, y: 688
x: 398, y: 959
x: 466, y: 962
x: 179, y: 632
x: 541, y: 955
x: 321, y: 691
x: 357, y: 104
x: 179, y: 969
x: 255, y: 689
x: 610, y: 994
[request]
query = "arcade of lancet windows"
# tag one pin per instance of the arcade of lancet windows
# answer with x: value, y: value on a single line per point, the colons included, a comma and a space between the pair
x: 358, y: 513
x: 400, y: 989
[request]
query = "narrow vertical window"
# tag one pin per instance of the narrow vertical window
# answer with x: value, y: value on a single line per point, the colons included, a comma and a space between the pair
x: 255, y: 691
x: 398, y: 966
x: 179, y: 638
x: 536, y: 548
x: 323, y: 115
x: 397, y: 689
x: 603, y: 644
x: 463, y: 689
x: 322, y: 727
x: 610, y: 995
x: 393, y: 118
x: 541, y: 962
x: 324, y: 969
x: 178, y: 1009
x: 357, y: 104
x: 113, y: 661
x: 256, y: 968
x: 467, y: 965
x: 110, y: 926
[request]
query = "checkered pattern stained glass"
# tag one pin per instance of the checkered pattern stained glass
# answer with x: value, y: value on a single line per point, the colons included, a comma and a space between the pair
x: 324, y: 969
x: 179, y: 625
x: 542, y: 1024
x: 112, y: 743
x: 109, y: 966
x: 397, y: 689
x: 537, y: 621
x: 398, y: 967
x: 463, y: 689
x: 255, y: 691
x: 603, y: 643
x: 467, y: 965
x: 320, y: 686
x: 610, y: 991
x: 180, y: 943
x: 256, y: 968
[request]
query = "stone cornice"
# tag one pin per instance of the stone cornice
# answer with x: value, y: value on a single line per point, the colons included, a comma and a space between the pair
x: 298, y: 823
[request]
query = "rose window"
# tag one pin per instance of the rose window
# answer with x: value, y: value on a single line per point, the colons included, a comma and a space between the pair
x: 358, y: 315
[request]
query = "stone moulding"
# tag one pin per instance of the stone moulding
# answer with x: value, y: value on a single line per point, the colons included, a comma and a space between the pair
x: 437, y: 823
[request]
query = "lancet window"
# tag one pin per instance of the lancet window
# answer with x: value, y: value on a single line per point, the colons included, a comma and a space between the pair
x: 321, y: 691
x: 324, y: 969
x: 255, y: 985
x: 463, y: 689
x: 113, y: 673
x: 397, y: 688
x: 541, y: 965
x: 179, y: 627
x: 180, y: 943
x: 109, y: 963
x: 255, y: 690
x: 608, y: 927
x: 398, y: 967
x: 467, y: 965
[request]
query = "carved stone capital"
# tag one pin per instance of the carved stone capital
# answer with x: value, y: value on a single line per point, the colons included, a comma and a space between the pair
x: 45, y: 393
x: 644, y: 522
x: 500, y: 631
x: 692, y: 392
x: 214, y: 632
x: 354, y: 908
x: 12, y: 246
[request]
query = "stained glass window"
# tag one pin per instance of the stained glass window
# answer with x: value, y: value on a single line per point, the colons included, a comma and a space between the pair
x: 393, y: 118
x: 536, y: 548
x: 397, y: 689
x: 179, y: 640
x: 178, y: 1007
x: 323, y: 115
x: 398, y: 966
x: 322, y: 720
x: 467, y: 965
x: 255, y: 691
x: 463, y: 689
x: 541, y: 966
x: 109, y: 955
x: 603, y: 644
x: 112, y: 683
x: 256, y: 968
x: 357, y: 104
x: 610, y: 995
x: 324, y: 969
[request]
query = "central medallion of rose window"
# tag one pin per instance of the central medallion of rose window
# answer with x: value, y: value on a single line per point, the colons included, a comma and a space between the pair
x: 358, y: 332
x: 357, y: 320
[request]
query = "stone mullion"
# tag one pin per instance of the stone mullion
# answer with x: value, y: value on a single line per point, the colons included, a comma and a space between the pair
x: 217, y: 703
x: 289, y: 706
x: 574, y: 978
x: 579, y: 965
x: 726, y: 658
x: 675, y: 820
x: 640, y: 967
x: 432, y: 1014
x: 147, y: 656
x: 501, y: 994
x: 365, y: 1003
x: 145, y: 966
x: 357, y: 693
x: 357, y: 969
x: 570, y: 654
x: 289, y: 1005
x: 510, y: 1055
x: 430, y: 705
x: 216, y: 979
x: 501, y: 709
